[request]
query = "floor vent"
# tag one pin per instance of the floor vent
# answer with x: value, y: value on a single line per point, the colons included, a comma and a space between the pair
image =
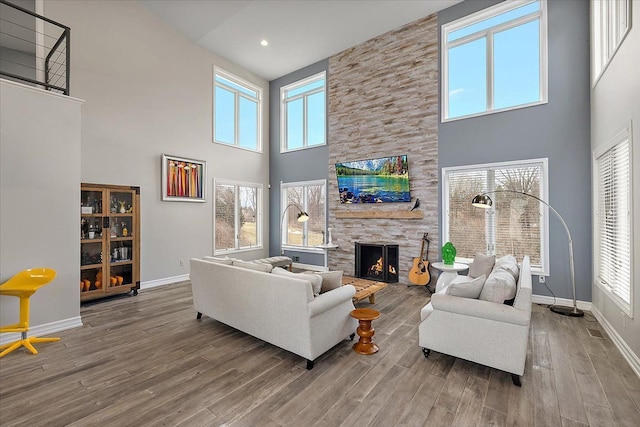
x: 595, y: 333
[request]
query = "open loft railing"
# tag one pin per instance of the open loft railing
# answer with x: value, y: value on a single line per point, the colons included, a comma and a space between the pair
x: 34, y: 49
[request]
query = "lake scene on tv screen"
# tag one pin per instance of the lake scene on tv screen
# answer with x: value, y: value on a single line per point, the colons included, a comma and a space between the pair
x: 383, y: 180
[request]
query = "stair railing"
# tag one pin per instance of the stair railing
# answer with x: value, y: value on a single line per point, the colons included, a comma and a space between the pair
x: 35, y: 51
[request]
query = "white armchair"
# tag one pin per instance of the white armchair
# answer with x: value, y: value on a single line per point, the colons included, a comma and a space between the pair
x: 484, y: 332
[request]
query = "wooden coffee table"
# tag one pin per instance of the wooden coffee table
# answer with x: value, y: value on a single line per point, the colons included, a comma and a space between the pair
x: 364, y: 288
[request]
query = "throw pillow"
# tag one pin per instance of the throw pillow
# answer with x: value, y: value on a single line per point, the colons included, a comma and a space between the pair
x: 466, y: 287
x: 315, y: 279
x: 266, y: 268
x: 482, y: 264
x: 218, y: 260
x: 330, y: 280
x: 508, y: 263
x: 499, y: 287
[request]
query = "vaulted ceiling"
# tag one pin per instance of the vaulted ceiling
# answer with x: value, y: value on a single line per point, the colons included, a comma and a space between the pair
x: 299, y: 32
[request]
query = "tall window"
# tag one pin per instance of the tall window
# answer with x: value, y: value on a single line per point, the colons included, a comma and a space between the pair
x: 236, y: 111
x: 237, y: 213
x: 515, y: 224
x: 495, y: 60
x: 611, y: 21
x: 612, y: 205
x: 302, y: 110
x: 310, y: 196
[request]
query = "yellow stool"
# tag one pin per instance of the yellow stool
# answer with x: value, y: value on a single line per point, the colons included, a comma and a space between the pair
x: 23, y: 285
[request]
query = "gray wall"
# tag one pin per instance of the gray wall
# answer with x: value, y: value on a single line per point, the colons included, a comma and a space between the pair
x: 558, y: 130
x: 615, y: 102
x: 301, y: 165
x: 40, y: 201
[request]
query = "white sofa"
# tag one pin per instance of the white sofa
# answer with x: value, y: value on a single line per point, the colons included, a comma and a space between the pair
x: 278, y: 309
x: 485, y: 332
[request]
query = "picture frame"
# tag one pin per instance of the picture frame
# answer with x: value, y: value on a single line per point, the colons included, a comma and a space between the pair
x: 181, y: 186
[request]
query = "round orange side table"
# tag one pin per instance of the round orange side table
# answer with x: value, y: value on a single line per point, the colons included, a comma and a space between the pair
x: 365, y: 331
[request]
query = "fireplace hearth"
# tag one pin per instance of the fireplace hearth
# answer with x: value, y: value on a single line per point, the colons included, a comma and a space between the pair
x: 377, y: 262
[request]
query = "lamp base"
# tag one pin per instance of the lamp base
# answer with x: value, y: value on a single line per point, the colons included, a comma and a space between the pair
x: 567, y: 311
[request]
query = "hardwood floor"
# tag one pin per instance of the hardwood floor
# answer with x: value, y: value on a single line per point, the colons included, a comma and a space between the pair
x: 147, y: 361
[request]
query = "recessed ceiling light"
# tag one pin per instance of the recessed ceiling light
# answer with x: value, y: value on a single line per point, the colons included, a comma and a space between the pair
x: 263, y: 42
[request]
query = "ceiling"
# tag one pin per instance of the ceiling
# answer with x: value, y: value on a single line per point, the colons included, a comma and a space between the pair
x: 299, y: 32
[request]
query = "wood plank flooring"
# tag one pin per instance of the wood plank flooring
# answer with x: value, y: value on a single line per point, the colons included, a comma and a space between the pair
x: 147, y: 361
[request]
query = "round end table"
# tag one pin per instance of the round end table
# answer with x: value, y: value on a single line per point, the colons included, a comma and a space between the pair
x: 449, y: 272
x: 365, y: 316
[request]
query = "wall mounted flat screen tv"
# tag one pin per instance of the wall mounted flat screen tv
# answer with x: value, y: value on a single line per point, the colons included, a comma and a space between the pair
x: 383, y: 180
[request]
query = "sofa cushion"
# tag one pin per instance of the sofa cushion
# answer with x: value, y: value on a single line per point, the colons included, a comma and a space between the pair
x: 482, y: 264
x: 253, y: 266
x: 508, y: 263
x: 330, y: 280
x: 219, y: 260
x: 315, y: 279
x: 499, y: 287
x: 466, y: 286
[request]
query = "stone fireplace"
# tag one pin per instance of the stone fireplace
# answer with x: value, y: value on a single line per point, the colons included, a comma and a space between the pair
x: 382, y: 100
x: 377, y: 262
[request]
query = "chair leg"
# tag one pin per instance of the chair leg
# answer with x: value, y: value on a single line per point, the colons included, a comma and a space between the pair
x: 26, y: 343
x: 10, y: 347
x: 516, y: 380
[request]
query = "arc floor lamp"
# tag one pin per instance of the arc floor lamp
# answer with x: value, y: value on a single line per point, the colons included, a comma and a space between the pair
x: 302, y: 217
x: 484, y: 201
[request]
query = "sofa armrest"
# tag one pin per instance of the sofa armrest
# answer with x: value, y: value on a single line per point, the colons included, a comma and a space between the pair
x: 328, y: 300
x: 481, y: 309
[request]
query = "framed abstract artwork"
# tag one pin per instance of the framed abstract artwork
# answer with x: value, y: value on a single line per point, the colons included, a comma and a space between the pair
x: 183, y: 180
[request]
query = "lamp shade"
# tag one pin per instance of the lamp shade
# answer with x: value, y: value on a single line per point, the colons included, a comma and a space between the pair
x: 303, y: 217
x: 482, y: 201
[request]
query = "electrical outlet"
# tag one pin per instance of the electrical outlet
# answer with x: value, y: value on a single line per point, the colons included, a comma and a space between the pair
x: 296, y: 258
x: 181, y: 263
x: 542, y: 279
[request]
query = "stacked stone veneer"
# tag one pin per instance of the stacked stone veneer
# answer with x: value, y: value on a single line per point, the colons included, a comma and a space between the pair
x: 383, y: 101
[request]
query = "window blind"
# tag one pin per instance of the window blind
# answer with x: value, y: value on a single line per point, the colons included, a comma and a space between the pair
x: 514, y: 223
x: 614, y: 221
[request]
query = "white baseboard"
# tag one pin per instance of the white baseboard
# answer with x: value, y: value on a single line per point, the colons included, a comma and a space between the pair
x: 43, y: 330
x: 164, y: 281
x: 543, y: 299
x: 632, y: 359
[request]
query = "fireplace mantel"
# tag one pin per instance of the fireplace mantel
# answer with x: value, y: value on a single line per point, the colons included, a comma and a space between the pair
x: 375, y: 214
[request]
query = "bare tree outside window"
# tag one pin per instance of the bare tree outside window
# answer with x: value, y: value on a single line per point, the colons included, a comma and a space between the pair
x: 311, y: 198
x: 237, y: 213
x: 513, y: 225
x: 225, y: 217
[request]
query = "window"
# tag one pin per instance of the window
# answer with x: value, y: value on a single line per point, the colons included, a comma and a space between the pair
x: 495, y: 60
x: 237, y: 213
x: 236, y: 111
x: 611, y: 21
x: 310, y: 196
x: 302, y: 110
x: 515, y: 224
x: 612, y: 206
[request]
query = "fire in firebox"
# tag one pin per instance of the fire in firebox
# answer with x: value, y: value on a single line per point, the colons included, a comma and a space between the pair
x: 377, y: 268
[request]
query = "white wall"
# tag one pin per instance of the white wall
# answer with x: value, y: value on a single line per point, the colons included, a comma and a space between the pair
x: 148, y: 91
x: 615, y: 101
x: 39, y: 200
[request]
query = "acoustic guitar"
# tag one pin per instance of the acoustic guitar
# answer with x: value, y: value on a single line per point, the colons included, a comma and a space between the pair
x: 419, y: 273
